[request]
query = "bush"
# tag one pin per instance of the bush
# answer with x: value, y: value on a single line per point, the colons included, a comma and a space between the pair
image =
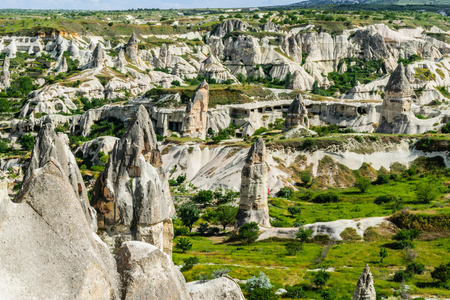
x: 248, y: 233
x: 402, y: 276
x: 225, y: 215
x: 294, y: 210
x: 285, y: 192
x: 415, y: 268
x: 189, y: 263
x: 203, y: 228
x: 349, y: 234
x: 4, y: 147
x: 180, y: 231
x: 363, y: 184
x: 262, y: 294
x: 261, y: 281
x: 203, y: 197
x: 27, y: 142
x: 405, y: 238
x: 427, y: 191
x: 321, y: 278
x: 382, y: 179
x: 217, y: 273
x: 4, y: 105
x: 293, y: 247
x: 385, y: 199
x: 327, y: 198
x: 441, y: 273
x: 306, y: 177
x: 303, y: 234
x: 260, y: 131
x: 183, y: 244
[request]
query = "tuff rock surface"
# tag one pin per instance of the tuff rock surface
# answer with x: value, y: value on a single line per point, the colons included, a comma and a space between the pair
x: 48, y: 250
x: 194, y: 122
x: 253, y: 205
x: 217, y: 289
x: 297, y: 114
x: 52, y: 146
x: 5, y: 81
x: 148, y: 273
x: 364, y: 288
x: 132, y: 195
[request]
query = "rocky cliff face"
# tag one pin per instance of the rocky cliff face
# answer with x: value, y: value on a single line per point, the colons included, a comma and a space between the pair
x: 253, y: 204
x: 194, y: 123
x: 132, y: 195
x: 68, y: 260
x: 50, y: 145
x: 4, y: 75
x: 296, y: 115
x: 364, y: 288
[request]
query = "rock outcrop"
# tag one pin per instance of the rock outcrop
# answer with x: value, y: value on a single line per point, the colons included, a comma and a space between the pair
x: 50, y: 145
x: 297, y: 114
x: 396, y: 114
x: 4, y: 74
x: 364, y: 288
x: 270, y: 27
x: 131, y: 49
x: 228, y: 26
x: 132, y: 195
x: 217, y: 289
x: 253, y: 203
x: 148, y: 273
x: 48, y: 250
x: 98, y: 56
x: 194, y: 123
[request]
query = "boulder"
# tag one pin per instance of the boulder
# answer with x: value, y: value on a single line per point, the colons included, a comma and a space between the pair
x: 148, y: 273
x: 48, y: 250
x: 253, y: 205
x: 217, y: 289
x: 132, y: 194
x: 364, y: 288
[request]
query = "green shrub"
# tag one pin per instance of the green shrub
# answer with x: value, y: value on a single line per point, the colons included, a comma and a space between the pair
x: 382, y: 179
x: 285, y: 192
x: 183, y: 244
x: 203, y: 197
x: 385, y: 199
x: 4, y: 147
x: 260, y: 131
x: 415, y: 268
x: 189, y: 263
x: 363, y: 184
x: 294, y: 210
x: 349, y: 234
x: 27, y: 142
x: 321, y: 278
x: 442, y: 273
x: 405, y: 238
x: 402, y: 276
x: 327, y: 198
x: 248, y: 233
x: 427, y: 191
x: 180, y: 231
x: 189, y: 214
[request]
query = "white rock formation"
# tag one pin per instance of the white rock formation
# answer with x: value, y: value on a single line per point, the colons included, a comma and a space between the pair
x: 364, y: 288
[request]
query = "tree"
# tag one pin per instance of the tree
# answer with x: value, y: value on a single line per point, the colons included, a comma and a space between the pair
x: 293, y: 247
x: 226, y: 215
x: 383, y: 254
x: 442, y: 273
x: 294, y: 210
x: 315, y: 88
x: 203, y: 197
x: 189, y: 214
x: 285, y: 192
x: 306, y: 177
x: 363, y: 184
x: 248, y: 233
x: 427, y: 191
x: 27, y: 142
x: 4, y: 105
x: 183, y: 244
x: 321, y: 278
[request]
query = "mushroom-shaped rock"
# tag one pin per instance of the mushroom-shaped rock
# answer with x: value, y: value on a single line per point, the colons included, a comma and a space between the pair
x: 132, y: 194
x: 98, y: 56
x: 253, y: 203
x: 131, y: 48
x: 364, y: 288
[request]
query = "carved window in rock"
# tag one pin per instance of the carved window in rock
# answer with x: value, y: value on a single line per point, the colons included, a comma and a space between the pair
x: 254, y: 206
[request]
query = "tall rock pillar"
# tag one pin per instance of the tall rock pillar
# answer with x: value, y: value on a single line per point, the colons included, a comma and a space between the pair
x: 5, y: 81
x: 297, y: 114
x: 364, y: 288
x: 253, y: 204
x: 194, y: 122
x: 132, y: 195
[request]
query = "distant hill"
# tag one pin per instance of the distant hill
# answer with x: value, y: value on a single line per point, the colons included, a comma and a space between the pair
x: 373, y: 2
